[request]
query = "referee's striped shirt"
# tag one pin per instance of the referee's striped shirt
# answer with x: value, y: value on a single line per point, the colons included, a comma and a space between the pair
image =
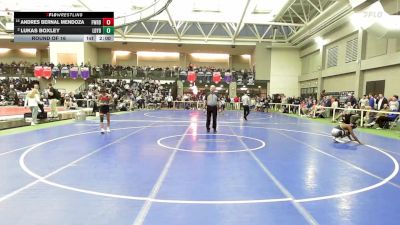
x: 212, y: 99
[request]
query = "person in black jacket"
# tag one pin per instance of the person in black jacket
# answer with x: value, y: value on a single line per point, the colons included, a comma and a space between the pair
x: 381, y: 101
x: 352, y: 100
x: 52, y: 96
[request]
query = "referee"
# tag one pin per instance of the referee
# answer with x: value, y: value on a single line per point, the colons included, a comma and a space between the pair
x: 246, y: 105
x: 212, y: 102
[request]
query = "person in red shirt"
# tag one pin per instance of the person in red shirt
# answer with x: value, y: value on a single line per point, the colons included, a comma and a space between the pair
x: 104, y: 100
x: 237, y: 102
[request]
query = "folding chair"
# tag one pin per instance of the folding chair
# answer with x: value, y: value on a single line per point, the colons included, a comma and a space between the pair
x: 393, y: 124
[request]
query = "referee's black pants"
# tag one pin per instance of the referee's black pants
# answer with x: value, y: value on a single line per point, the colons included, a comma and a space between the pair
x: 211, y: 110
x: 246, y: 111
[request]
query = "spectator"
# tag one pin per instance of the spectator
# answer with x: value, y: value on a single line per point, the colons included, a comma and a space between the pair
x: 32, y: 100
x: 328, y: 104
x: 364, y: 101
x: 372, y: 101
x: 322, y: 95
x: 12, y: 95
x: 236, y: 100
x: 53, y: 97
x: 352, y: 100
x: 380, y: 102
x: 384, y: 118
x: 394, y: 103
x: 170, y: 100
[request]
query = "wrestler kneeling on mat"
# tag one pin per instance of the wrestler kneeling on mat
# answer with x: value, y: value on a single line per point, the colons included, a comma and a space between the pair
x: 344, y: 130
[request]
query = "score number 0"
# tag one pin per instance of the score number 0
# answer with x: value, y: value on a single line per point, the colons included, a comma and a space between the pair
x: 108, y: 21
x: 108, y: 25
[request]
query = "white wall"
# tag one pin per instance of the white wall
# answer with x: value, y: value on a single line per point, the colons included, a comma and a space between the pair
x: 285, y: 71
x: 375, y: 46
x: 390, y: 74
x: 310, y: 63
x: 126, y: 60
x: 67, y: 47
x: 218, y: 63
x: 398, y: 45
x: 341, y: 44
x: 90, y: 54
x: 379, y: 61
x: 183, y: 57
x: 261, y: 57
x: 308, y: 83
x: 239, y: 62
x: 104, y: 56
x: 339, y: 83
x: 159, y: 61
x: 44, y: 55
x: 15, y: 55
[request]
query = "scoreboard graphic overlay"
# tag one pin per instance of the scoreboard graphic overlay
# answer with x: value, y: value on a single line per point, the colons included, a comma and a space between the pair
x: 63, y: 26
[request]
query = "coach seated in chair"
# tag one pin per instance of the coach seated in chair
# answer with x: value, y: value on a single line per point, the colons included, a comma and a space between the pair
x: 383, y: 119
x: 318, y: 112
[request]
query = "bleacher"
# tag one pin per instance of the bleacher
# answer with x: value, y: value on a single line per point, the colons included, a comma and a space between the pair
x: 18, y: 120
x: 107, y: 71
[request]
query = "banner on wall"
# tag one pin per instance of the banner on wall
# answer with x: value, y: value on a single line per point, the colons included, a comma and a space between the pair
x: 250, y: 79
x: 85, y: 73
x: 191, y: 77
x: 216, y: 77
x: 55, y: 71
x: 38, y: 72
x: 228, y: 78
x: 73, y: 73
x: 64, y: 71
x: 182, y: 76
x: 47, y: 72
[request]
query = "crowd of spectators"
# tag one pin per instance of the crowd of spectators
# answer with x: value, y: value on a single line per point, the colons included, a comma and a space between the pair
x: 103, y: 71
x: 376, y: 108
x: 127, y: 95
x: 22, y: 68
x: 149, y: 92
x: 10, y: 90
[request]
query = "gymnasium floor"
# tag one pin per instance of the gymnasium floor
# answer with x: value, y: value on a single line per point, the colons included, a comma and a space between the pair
x: 162, y: 168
